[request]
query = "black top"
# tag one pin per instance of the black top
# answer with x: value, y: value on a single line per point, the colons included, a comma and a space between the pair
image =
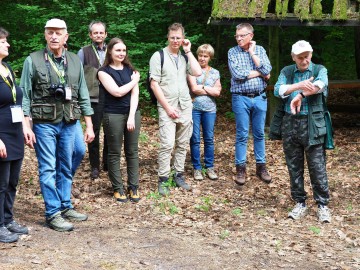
x: 117, y: 105
x: 10, y: 133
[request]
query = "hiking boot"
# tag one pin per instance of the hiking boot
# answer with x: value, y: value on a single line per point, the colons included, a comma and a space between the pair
x: 211, y: 174
x: 162, y: 187
x: 73, y: 215
x: 324, y: 214
x: 120, y: 196
x: 94, y: 173
x: 240, y: 174
x: 262, y: 173
x: 15, y: 227
x: 133, y: 194
x: 6, y: 236
x: 180, y: 181
x: 198, y: 175
x: 58, y: 223
x: 299, y: 211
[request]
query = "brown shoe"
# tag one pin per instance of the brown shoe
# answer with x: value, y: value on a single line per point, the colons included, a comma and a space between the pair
x: 240, y: 174
x: 262, y: 173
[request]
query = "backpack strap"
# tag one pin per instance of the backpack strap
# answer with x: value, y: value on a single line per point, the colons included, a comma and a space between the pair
x: 162, y: 58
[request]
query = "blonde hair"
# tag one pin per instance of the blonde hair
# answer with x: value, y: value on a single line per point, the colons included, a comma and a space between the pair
x: 206, y: 48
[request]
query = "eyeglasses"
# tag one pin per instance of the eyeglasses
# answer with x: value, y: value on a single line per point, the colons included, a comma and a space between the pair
x: 176, y: 38
x: 241, y: 36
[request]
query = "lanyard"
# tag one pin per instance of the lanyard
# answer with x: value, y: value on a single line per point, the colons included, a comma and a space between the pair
x: 61, y: 73
x: 10, y: 83
x: 97, y: 53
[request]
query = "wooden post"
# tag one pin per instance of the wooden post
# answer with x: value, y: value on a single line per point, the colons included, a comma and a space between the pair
x: 274, y: 60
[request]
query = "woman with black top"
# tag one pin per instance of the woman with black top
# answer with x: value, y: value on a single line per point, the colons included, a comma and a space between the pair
x: 119, y: 82
x: 12, y: 134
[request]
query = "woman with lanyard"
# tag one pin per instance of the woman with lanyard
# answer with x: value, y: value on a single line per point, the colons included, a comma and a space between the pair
x: 12, y: 135
x: 204, y: 89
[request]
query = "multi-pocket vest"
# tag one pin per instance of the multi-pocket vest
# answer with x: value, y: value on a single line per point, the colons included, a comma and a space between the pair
x: 316, y: 120
x: 44, y: 107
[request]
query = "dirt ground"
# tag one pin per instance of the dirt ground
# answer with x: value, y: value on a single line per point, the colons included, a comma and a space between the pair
x: 215, y: 226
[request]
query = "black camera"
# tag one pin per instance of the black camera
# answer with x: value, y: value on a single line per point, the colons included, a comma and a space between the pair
x: 58, y: 90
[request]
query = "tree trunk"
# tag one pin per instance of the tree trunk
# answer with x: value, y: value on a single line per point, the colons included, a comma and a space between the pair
x: 357, y: 50
x: 274, y: 56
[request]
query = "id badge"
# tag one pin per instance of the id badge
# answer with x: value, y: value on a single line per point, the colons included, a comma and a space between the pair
x: 16, y: 113
x: 67, y: 93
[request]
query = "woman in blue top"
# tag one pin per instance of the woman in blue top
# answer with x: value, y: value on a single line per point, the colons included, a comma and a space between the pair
x: 12, y: 134
x: 204, y: 89
x: 119, y: 83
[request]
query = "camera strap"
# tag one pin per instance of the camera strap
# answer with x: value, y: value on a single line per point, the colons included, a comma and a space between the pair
x: 61, y: 73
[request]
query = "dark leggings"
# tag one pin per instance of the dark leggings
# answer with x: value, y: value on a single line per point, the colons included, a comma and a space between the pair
x: 9, y: 178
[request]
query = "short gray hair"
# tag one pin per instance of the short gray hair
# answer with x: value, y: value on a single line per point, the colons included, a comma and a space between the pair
x: 248, y: 26
x: 96, y: 22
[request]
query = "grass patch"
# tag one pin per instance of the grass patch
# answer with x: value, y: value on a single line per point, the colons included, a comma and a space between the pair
x: 261, y: 212
x: 206, y: 205
x: 154, y: 195
x: 143, y: 137
x: 168, y: 207
x: 315, y: 229
x: 224, y: 234
x: 236, y: 211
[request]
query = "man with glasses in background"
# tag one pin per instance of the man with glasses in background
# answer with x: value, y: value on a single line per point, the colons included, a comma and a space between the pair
x: 250, y: 70
x: 168, y: 81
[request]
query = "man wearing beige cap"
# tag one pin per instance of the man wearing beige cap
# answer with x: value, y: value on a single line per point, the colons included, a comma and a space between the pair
x: 303, y: 88
x: 55, y: 96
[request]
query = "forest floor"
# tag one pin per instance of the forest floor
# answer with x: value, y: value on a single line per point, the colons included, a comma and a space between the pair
x: 217, y: 225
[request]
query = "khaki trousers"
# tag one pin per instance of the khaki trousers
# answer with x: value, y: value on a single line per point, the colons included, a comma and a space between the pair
x: 174, y: 135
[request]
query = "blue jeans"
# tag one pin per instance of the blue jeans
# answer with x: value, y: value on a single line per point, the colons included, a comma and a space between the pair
x: 54, y: 147
x: 79, y: 148
x: 244, y: 109
x: 207, y: 121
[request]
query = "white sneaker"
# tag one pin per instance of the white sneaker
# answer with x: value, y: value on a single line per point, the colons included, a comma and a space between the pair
x: 299, y: 211
x: 198, y: 175
x: 211, y: 174
x: 324, y: 214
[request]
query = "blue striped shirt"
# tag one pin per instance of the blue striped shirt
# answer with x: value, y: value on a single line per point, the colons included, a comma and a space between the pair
x: 240, y: 65
x: 298, y: 77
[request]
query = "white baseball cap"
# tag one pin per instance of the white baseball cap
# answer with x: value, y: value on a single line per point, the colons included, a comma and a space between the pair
x: 300, y: 47
x: 55, y: 23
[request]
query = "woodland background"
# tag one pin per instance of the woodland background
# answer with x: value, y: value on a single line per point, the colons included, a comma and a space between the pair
x: 143, y: 26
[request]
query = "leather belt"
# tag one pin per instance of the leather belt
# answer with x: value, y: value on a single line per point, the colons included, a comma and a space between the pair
x: 250, y: 95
